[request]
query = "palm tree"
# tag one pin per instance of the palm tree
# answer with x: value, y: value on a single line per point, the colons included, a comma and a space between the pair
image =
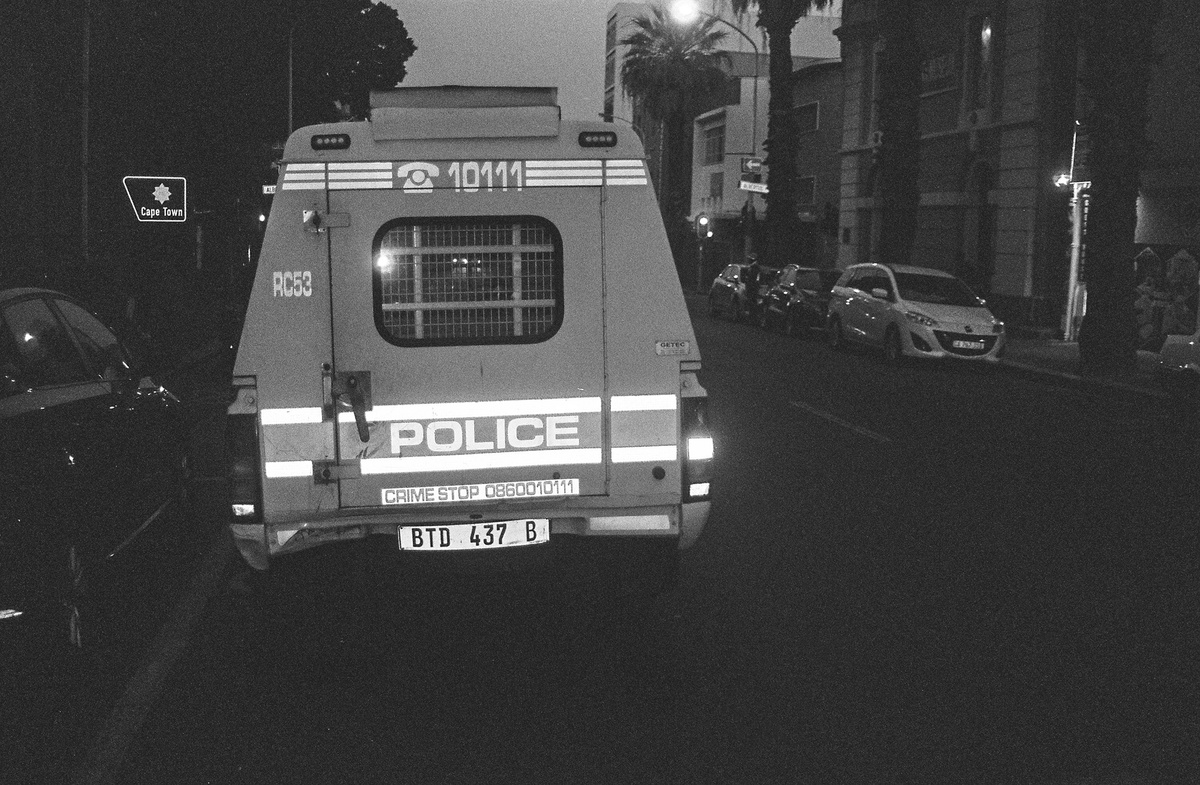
x: 1119, y: 60
x: 778, y: 18
x: 672, y: 71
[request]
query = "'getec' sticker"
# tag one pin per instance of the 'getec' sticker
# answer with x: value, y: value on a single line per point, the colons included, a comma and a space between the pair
x: 672, y: 348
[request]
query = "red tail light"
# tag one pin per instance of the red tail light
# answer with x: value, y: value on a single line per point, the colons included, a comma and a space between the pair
x: 697, y: 449
x: 245, y: 475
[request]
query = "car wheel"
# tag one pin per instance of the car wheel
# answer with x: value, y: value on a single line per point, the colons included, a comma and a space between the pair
x: 893, y: 349
x: 836, y: 339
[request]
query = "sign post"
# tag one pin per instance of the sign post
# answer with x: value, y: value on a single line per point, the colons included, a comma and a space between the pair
x: 157, y: 199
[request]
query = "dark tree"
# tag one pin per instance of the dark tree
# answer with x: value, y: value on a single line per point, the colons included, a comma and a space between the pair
x: 1119, y: 59
x: 778, y: 18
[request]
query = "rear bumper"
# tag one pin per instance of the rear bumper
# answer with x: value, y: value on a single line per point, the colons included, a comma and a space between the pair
x: 681, y: 524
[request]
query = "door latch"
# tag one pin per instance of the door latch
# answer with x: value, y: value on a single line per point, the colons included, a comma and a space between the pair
x: 352, y: 389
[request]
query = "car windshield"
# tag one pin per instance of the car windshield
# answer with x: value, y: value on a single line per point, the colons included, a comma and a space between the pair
x: 939, y: 289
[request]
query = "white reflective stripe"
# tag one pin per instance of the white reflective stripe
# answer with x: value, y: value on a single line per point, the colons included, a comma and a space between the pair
x: 666, y: 452
x: 305, y: 414
x: 339, y: 185
x: 631, y: 523
x: 625, y: 181
x: 643, y: 403
x: 466, y: 409
x: 307, y: 167
x: 356, y: 174
x: 362, y: 165
x: 304, y: 186
x: 504, y: 460
x: 552, y: 181
x: 288, y: 468
x: 562, y: 163
x: 623, y: 162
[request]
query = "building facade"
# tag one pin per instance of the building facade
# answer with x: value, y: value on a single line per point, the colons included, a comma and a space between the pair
x: 997, y: 124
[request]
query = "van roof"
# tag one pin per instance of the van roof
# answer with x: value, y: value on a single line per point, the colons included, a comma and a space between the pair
x: 462, y: 97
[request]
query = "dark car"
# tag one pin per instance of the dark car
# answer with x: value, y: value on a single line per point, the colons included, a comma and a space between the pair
x: 798, y: 300
x: 91, y: 454
x: 727, y: 295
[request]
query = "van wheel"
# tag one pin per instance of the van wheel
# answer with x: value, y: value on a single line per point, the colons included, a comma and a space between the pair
x: 893, y: 350
x: 834, y: 334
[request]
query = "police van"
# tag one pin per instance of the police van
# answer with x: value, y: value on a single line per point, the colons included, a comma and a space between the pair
x: 466, y: 333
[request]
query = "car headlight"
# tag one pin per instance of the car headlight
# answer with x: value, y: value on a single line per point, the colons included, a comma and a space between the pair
x: 920, y: 318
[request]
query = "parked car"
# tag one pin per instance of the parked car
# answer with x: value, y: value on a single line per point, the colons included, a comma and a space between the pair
x: 727, y: 295
x: 1179, y: 365
x: 912, y: 312
x: 799, y: 299
x: 91, y: 452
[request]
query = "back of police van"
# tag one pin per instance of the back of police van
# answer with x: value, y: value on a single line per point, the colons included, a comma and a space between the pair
x: 466, y: 334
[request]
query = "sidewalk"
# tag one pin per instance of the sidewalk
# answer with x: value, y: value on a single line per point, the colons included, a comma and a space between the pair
x: 1057, y: 358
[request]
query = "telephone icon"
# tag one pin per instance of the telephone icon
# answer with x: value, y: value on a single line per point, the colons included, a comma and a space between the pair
x: 418, y: 177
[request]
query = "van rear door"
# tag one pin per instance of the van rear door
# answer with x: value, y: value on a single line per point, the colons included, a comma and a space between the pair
x: 468, y: 359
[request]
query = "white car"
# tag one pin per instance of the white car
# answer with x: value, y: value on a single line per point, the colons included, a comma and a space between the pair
x: 912, y: 312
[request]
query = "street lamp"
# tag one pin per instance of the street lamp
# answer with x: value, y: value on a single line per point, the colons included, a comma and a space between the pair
x: 1070, y: 329
x: 686, y: 12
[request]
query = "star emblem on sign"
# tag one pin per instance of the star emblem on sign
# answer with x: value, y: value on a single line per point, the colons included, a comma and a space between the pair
x: 162, y: 193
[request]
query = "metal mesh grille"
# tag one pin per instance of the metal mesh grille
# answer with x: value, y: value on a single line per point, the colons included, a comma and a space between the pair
x: 470, y: 281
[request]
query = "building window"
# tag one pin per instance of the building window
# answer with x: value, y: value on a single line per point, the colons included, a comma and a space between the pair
x: 455, y: 281
x: 981, y: 62
x: 714, y: 144
x: 716, y: 186
x: 806, y: 190
x: 808, y: 117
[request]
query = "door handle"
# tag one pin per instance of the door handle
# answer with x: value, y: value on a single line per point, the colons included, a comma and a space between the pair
x: 354, y: 388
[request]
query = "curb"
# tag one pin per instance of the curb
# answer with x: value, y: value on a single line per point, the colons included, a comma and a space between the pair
x: 1083, y: 382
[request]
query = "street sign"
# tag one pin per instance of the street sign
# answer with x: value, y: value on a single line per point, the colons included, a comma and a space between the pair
x: 157, y: 199
x: 752, y: 164
x: 758, y: 188
x: 269, y: 189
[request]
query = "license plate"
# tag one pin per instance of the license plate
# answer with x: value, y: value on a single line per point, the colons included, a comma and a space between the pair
x: 474, y: 536
x: 967, y: 344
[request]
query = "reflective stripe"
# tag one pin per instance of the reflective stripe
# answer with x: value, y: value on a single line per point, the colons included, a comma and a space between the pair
x: 630, y: 523
x: 288, y: 468
x: 643, y: 403
x: 467, y: 409
x: 665, y: 452
x: 504, y: 460
x: 305, y: 414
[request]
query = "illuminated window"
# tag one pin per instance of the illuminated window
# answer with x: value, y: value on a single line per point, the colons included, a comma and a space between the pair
x: 468, y: 281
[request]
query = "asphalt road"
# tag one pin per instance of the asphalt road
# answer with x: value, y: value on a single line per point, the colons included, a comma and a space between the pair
x: 923, y: 574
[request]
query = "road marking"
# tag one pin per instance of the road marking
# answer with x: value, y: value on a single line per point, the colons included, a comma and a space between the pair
x: 108, y: 750
x: 864, y: 432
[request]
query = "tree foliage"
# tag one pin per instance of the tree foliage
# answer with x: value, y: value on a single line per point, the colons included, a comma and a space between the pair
x: 672, y: 70
x: 779, y: 18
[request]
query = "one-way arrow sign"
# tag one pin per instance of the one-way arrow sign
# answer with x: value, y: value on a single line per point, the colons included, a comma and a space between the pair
x: 162, y: 199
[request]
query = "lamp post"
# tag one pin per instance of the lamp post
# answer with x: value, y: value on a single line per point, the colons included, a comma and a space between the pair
x: 1070, y: 328
x: 686, y: 12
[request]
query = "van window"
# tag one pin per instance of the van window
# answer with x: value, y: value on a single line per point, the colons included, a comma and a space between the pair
x: 477, y: 280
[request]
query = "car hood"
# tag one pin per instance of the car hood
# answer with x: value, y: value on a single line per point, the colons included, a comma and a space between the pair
x: 951, y: 315
x: 1181, y: 351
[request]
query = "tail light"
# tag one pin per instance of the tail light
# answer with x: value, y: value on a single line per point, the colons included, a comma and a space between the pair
x: 697, y: 449
x: 245, y: 469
